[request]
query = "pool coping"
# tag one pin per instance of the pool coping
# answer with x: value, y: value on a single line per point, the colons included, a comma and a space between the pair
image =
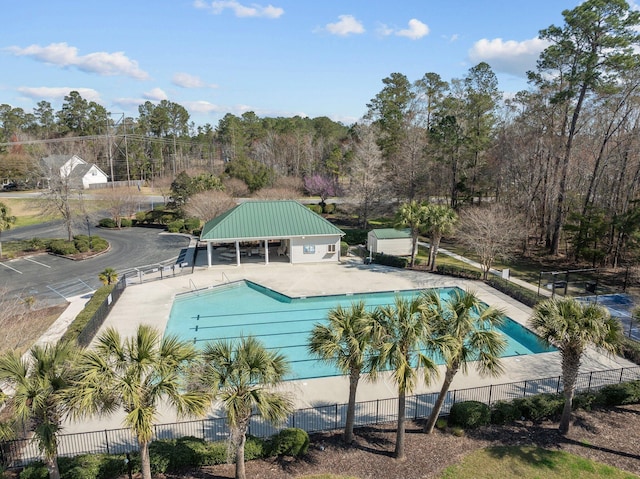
x: 150, y: 303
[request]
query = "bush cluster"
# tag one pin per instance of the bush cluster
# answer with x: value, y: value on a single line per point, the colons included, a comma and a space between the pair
x: 355, y: 236
x: 315, y: 208
x: 37, y: 244
x: 471, y: 414
x: 81, y: 320
x: 80, y: 244
x: 458, y: 271
x: 525, y: 296
x: 344, y: 248
x: 62, y: 247
x: 389, y: 260
x: 107, y: 223
x: 173, y: 455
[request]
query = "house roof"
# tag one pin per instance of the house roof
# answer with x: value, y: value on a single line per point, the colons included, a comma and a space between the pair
x: 267, y: 219
x: 391, y: 233
x: 58, y: 161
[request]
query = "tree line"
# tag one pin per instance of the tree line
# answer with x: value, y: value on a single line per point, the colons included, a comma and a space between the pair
x: 564, y: 152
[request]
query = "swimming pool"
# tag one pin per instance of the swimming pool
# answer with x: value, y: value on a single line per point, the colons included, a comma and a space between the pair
x: 245, y: 308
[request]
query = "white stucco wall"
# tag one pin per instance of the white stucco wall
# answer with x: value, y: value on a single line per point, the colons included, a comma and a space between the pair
x: 395, y: 247
x: 93, y: 176
x: 315, y: 249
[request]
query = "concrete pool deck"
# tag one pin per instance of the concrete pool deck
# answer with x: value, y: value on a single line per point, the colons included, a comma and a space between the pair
x: 150, y: 303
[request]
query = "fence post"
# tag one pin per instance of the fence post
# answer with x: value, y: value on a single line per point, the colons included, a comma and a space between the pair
x: 621, y: 374
x: 589, y: 386
x: 106, y: 439
x: 335, y: 415
x: 377, y: 409
x: 204, y: 438
x: 490, y: 391
x: 558, y: 386
x: 524, y: 393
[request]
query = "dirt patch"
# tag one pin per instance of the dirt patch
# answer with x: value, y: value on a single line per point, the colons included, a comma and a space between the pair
x: 607, y: 436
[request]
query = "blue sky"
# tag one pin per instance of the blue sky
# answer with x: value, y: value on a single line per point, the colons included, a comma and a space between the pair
x: 276, y: 58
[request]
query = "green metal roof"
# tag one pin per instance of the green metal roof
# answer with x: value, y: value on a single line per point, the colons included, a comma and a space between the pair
x: 267, y: 219
x: 391, y: 233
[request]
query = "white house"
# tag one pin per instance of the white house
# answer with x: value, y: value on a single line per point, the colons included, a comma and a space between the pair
x: 390, y: 241
x: 79, y: 173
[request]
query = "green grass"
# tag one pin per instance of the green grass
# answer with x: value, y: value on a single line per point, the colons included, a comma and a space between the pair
x: 530, y: 462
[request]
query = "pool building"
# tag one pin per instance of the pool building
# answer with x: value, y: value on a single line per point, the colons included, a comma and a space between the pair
x: 282, y: 229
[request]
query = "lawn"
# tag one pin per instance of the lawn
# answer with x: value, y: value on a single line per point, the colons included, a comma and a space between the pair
x: 529, y: 462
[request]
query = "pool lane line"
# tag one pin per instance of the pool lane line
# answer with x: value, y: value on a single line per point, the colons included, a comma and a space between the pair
x: 9, y: 267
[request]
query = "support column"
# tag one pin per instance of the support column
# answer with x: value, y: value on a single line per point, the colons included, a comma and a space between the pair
x: 237, y: 253
x: 209, y: 248
x: 266, y: 252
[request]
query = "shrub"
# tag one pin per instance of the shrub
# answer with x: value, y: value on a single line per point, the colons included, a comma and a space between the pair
x: 525, y: 296
x: 630, y: 349
x: 35, y: 470
x: 191, y: 224
x: 81, y: 243
x: 62, y: 247
x: 290, y: 442
x: 619, y: 394
x: 584, y: 401
x: 329, y: 208
x: 540, y: 406
x: 344, y: 248
x: 217, y: 453
x: 458, y: 271
x: 126, y: 222
x: 98, y: 243
x: 36, y: 244
x: 175, y: 226
x: 503, y: 412
x: 107, y: 223
x: 355, y: 236
x: 469, y: 414
x: 81, y: 320
x: 141, y: 217
x: 389, y: 260
x: 315, y: 208
x: 255, y: 448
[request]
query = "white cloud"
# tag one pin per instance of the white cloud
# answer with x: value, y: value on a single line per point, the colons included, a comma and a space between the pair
x: 346, y: 25
x: 416, y: 30
x: 58, y: 93
x: 508, y: 56
x: 102, y: 63
x: 384, y: 30
x: 155, y: 94
x: 185, y: 80
x: 254, y: 10
x: 202, y: 107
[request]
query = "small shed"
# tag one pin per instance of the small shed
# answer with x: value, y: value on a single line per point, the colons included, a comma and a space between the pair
x: 390, y: 241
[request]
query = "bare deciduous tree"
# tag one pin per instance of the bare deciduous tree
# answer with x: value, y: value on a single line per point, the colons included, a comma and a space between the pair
x: 119, y: 202
x: 491, y: 232
x: 62, y: 199
x: 209, y: 204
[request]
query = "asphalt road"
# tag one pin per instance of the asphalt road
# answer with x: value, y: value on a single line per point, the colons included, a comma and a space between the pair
x: 50, y: 279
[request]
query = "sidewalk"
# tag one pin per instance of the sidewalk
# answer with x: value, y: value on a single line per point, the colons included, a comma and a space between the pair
x: 475, y: 264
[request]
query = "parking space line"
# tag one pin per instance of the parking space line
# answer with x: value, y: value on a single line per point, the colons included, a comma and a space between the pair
x: 36, y: 262
x: 13, y: 269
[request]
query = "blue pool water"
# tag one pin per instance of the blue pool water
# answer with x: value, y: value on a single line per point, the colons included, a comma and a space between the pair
x: 244, y: 308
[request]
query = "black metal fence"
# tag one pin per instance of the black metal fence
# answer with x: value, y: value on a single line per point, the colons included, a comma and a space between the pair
x: 323, y: 418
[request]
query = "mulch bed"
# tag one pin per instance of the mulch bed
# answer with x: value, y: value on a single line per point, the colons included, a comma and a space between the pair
x: 608, y: 436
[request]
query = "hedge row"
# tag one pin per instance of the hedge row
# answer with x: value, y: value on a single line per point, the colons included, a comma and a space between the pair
x: 389, y: 260
x: 173, y: 455
x: 81, y: 320
x: 79, y: 244
x: 458, y: 271
x: 525, y: 296
x: 472, y: 414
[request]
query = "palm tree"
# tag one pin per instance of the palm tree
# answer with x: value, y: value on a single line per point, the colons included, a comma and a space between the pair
x: 412, y: 215
x: 242, y: 374
x: 346, y: 341
x: 39, y: 383
x: 6, y: 220
x: 407, y: 333
x: 440, y: 221
x: 108, y: 276
x: 571, y: 327
x: 470, y: 324
x: 136, y: 374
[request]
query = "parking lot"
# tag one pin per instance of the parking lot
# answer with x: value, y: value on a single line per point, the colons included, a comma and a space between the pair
x: 51, y: 279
